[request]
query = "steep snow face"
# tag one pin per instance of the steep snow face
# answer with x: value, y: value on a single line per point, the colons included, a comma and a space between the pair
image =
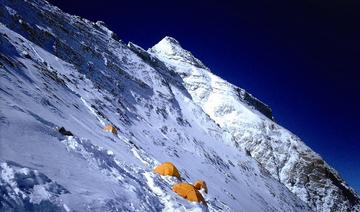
x: 251, y: 124
x: 58, y: 70
x: 170, y: 48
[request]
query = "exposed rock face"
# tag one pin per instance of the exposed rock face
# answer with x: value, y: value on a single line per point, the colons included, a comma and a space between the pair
x: 253, y: 128
x: 61, y: 70
x: 257, y: 104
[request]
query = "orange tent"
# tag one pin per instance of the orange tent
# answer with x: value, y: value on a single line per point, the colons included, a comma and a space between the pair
x: 167, y: 168
x: 188, y: 192
x: 110, y: 128
x: 200, y: 184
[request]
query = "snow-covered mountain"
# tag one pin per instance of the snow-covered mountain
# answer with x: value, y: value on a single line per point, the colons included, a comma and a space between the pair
x: 58, y: 70
x: 251, y: 124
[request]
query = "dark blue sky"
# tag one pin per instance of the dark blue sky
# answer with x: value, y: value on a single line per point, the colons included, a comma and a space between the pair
x: 302, y: 58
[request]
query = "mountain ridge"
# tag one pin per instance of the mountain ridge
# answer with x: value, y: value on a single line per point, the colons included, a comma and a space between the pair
x: 62, y: 70
x: 195, y: 79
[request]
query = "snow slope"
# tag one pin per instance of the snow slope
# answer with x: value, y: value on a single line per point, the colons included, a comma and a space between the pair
x: 251, y: 124
x: 61, y: 70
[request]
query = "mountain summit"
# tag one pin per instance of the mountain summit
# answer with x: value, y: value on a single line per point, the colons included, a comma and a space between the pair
x: 251, y: 124
x: 85, y: 120
x: 170, y: 48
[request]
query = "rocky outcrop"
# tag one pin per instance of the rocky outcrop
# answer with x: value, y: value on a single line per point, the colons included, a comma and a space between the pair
x: 256, y: 103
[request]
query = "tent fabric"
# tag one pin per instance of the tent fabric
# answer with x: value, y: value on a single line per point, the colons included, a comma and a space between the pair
x: 188, y: 192
x: 110, y: 128
x: 200, y: 184
x: 167, y: 169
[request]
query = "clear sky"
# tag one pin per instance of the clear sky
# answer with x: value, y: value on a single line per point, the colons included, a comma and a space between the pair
x: 300, y: 57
